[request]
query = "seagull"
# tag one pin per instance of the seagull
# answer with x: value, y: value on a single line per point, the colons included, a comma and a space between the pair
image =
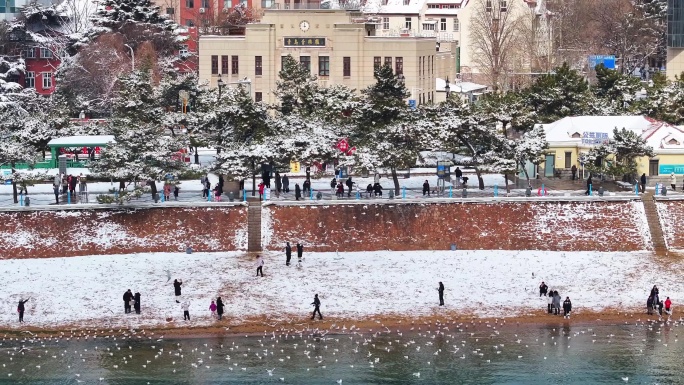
x: 270, y: 372
x: 625, y: 379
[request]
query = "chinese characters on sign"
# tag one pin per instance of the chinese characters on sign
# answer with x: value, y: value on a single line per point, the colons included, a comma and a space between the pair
x: 594, y: 137
x: 304, y: 41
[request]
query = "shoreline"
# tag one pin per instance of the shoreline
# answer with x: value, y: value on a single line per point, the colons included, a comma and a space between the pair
x: 344, y: 325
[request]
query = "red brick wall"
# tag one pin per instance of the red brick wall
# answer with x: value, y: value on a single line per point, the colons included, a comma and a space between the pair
x: 603, y: 226
x: 671, y: 215
x: 40, y: 234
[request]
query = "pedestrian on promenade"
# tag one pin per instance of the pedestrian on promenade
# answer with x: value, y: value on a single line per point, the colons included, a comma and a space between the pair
x: 186, y: 310
x: 306, y: 187
x: 260, y: 265
x: 543, y: 289
x: 177, y: 289
x: 278, y: 183
x: 136, y: 302
x: 262, y: 186
x: 21, y: 308
x: 426, y: 188
x: 643, y: 183
x: 167, y: 192
x: 55, y: 188
x: 212, y: 307
x: 567, y: 307
x: 176, y: 190
x: 219, y: 308
x: 349, y: 184
x: 673, y: 181
x: 300, y: 252
x: 127, y: 298
x: 317, y: 308
x: 589, y: 183
x: 288, y: 253
x: 333, y: 185
x: 459, y: 174
x: 573, y: 170
x: 298, y: 191
x: 654, y: 294
x: 440, y: 289
x: 286, y: 184
x: 668, y: 305
x: 556, y: 303
x: 649, y: 305
x: 369, y: 190
x: 207, y: 188
x: 550, y: 305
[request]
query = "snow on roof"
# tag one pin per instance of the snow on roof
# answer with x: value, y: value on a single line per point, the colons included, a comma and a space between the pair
x: 82, y: 140
x: 580, y: 129
x: 458, y: 87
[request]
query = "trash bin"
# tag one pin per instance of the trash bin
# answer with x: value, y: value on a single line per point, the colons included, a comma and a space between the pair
x: 188, y: 250
x: 663, y: 190
x: 600, y: 191
x: 528, y: 192
x: 319, y: 195
x: 391, y: 194
x: 453, y: 247
x: 464, y: 193
x: 27, y: 201
x: 231, y: 196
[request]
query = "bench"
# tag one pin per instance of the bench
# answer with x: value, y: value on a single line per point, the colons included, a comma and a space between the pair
x: 625, y: 185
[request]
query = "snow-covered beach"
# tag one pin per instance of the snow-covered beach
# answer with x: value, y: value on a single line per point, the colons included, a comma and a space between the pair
x: 87, y: 291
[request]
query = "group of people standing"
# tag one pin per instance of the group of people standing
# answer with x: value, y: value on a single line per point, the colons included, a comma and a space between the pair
x: 67, y: 183
x: 131, y: 301
x: 654, y: 302
x: 216, y: 307
x: 554, y: 302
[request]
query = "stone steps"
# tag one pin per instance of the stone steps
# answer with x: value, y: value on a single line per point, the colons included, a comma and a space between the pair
x: 253, y: 224
x: 657, y: 235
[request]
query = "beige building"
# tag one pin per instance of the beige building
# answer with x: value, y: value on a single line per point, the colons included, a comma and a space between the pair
x: 339, y: 47
x: 675, y: 38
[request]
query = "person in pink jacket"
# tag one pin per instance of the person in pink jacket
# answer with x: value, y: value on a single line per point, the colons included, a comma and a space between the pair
x: 212, y: 307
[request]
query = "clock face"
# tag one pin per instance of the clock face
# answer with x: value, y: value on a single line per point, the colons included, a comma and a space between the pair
x: 304, y: 25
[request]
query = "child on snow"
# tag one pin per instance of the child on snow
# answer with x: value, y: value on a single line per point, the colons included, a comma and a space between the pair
x: 212, y: 307
x: 186, y: 310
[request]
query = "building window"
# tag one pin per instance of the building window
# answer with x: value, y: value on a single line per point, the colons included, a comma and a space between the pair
x: 30, y: 53
x: 503, y: 6
x: 214, y: 64
x: 428, y: 26
x: 377, y: 62
x: 324, y: 66
x: 258, y: 96
x: 227, y: 4
x: 189, y: 3
x: 45, y: 53
x: 442, y: 24
x: 205, y: 4
x: 488, y: 6
x: 388, y: 61
x: 235, y: 65
x: 189, y: 23
x: 224, y: 64
x: 346, y: 66
x: 457, y: 24
x: 385, y: 23
x: 170, y: 11
x: 47, y: 80
x: 399, y: 65
x: 305, y: 61
x: 258, y: 66
x: 407, y: 23
x: 30, y: 80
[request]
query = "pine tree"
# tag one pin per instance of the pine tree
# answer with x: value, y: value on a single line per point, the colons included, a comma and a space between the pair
x: 619, y: 155
x: 295, y: 87
x: 617, y: 89
x: 559, y: 94
x: 113, y: 14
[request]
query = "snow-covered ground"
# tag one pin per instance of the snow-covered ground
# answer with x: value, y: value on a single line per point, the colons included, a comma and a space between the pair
x: 87, y: 291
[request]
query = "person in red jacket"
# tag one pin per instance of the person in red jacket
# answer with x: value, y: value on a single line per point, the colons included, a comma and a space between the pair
x: 668, y: 304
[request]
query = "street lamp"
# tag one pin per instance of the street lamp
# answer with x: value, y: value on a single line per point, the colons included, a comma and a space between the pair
x: 447, y: 88
x: 220, y: 84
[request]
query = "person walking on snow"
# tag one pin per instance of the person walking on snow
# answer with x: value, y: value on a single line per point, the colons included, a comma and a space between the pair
x: 219, y: 308
x: 660, y: 308
x: 300, y: 252
x: 288, y: 253
x: 573, y: 170
x: 556, y: 303
x: 136, y: 302
x: 668, y: 304
x: 649, y: 305
x: 286, y: 184
x: 186, y: 310
x: 260, y: 265
x: 298, y: 192
x: 643, y: 183
x: 21, y: 308
x: 440, y: 289
x: 673, y: 181
x: 543, y: 289
x: 567, y: 307
x: 333, y: 185
x: 349, y: 184
x: 426, y: 188
x: 550, y: 305
x: 589, y: 183
x: 127, y: 300
x: 177, y: 289
x: 278, y: 183
x: 317, y: 308
x: 212, y: 307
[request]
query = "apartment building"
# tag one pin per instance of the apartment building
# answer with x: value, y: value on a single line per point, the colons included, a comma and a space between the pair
x: 338, y: 46
x: 675, y: 38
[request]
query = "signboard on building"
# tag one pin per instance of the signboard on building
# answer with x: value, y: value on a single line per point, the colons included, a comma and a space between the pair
x: 304, y: 41
x: 589, y: 137
x: 295, y: 167
x: 607, y: 60
x: 667, y: 169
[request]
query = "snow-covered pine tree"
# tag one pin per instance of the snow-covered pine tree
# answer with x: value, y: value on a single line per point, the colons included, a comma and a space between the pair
x: 615, y: 88
x: 113, y: 14
x: 562, y: 93
x: 143, y: 151
x: 619, y: 155
x: 295, y: 87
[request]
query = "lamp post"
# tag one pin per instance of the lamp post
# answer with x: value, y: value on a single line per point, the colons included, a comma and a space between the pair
x: 220, y: 83
x: 447, y: 88
x: 132, y: 57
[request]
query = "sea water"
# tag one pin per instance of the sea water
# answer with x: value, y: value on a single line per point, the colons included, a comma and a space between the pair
x: 437, y: 354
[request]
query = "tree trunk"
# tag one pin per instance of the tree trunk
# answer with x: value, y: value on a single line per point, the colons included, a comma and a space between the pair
x: 479, y: 178
x: 527, y: 176
x: 196, y: 156
x: 253, y: 178
x: 153, y: 188
x: 395, y: 178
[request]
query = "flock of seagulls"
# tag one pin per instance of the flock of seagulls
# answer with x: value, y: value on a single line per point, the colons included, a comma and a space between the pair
x: 332, y: 353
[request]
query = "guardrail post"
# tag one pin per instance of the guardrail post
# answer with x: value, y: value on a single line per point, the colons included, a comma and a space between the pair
x: 403, y: 192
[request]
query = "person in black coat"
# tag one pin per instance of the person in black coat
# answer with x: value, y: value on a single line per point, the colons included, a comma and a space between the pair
x: 369, y: 189
x: 589, y: 187
x: 306, y: 186
x: 440, y: 289
x: 286, y: 184
x: 349, y: 184
x: 317, y: 307
x: 127, y: 300
x: 177, y: 288
x: 649, y: 305
x: 543, y: 289
x: 136, y: 302
x: 278, y: 182
x: 567, y: 307
x: 458, y: 173
x: 377, y: 189
x: 426, y: 188
x: 300, y: 252
x: 288, y: 253
x: 298, y: 191
x: 21, y: 308
x: 219, y: 307
x: 643, y: 182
